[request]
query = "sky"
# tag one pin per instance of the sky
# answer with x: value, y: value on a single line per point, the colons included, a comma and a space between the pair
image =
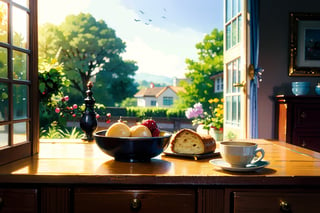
x: 159, y: 34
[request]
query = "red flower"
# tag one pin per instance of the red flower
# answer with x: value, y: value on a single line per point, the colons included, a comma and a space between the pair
x: 75, y: 106
x: 57, y: 110
x: 97, y: 116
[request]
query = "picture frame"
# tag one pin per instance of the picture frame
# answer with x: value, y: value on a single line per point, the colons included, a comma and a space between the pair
x: 304, y: 47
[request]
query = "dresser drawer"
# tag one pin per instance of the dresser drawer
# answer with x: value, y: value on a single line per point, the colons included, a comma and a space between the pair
x: 18, y: 200
x: 155, y: 200
x: 276, y: 202
x: 308, y: 139
x: 306, y: 116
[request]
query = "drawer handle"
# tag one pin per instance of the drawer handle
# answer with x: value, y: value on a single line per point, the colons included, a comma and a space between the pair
x: 284, y: 206
x: 135, y: 204
x: 303, y: 115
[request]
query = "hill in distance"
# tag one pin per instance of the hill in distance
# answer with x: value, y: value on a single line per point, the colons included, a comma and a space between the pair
x: 157, y: 79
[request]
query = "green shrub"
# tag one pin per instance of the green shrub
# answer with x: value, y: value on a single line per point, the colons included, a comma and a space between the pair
x: 151, y: 112
x: 176, y: 113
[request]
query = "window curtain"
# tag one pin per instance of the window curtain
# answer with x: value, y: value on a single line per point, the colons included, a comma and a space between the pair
x: 254, y: 58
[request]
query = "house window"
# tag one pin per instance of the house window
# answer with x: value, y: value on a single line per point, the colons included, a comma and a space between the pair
x: 18, y: 79
x: 153, y: 103
x: 218, y: 85
x: 167, y: 101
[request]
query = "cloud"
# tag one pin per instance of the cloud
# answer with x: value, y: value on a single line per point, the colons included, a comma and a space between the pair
x: 162, y: 52
x: 154, y: 61
x: 55, y: 11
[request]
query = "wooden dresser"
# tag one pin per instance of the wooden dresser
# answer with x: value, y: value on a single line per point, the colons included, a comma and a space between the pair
x: 78, y: 177
x: 298, y: 119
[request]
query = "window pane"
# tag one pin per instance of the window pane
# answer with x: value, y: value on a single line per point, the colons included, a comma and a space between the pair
x: 20, y: 100
x: 240, y: 6
x: 228, y: 36
x: 167, y: 101
x: 19, y: 65
x: 4, y: 140
x: 3, y: 62
x: 239, y: 72
x: 228, y: 10
x: 234, y: 109
x: 20, y: 132
x: 20, y: 27
x: 234, y: 33
x: 234, y: 76
x: 234, y: 8
x: 229, y: 72
x: 228, y: 110
x: 239, y: 110
x: 24, y: 3
x: 239, y: 28
x: 3, y: 22
x: 4, y: 102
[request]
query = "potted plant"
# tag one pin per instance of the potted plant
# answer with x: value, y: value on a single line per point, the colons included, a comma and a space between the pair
x: 208, y: 122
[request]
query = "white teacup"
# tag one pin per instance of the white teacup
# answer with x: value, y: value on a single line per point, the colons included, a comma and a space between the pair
x: 240, y: 154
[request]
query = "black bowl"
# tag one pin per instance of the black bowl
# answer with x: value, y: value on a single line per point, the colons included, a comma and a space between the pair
x: 132, y: 149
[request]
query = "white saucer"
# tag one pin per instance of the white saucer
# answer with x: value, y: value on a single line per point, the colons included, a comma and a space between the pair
x: 250, y: 167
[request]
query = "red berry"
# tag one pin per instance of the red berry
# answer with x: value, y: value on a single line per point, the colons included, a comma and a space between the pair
x: 151, y: 124
x: 156, y: 132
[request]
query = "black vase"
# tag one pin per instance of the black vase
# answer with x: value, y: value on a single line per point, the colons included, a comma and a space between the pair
x: 88, y: 121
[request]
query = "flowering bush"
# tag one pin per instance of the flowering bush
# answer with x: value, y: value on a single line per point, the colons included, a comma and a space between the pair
x: 65, y: 111
x: 71, y: 111
x: 211, y: 119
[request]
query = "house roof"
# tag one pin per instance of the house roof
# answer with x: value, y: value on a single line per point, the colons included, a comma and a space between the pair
x: 219, y: 74
x: 157, y: 91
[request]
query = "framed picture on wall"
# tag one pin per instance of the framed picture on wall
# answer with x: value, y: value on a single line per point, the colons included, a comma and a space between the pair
x: 304, y: 47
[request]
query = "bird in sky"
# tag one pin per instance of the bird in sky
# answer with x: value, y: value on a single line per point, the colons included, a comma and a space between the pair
x: 147, y: 20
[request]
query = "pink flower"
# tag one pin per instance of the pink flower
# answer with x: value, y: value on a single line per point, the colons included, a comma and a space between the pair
x: 73, y: 115
x: 57, y: 110
x: 194, y: 112
x: 65, y: 98
x: 75, y: 106
x: 97, y: 116
x: 108, y: 115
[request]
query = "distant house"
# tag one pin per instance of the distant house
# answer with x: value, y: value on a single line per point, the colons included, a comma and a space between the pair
x: 218, y: 82
x: 157, y: 96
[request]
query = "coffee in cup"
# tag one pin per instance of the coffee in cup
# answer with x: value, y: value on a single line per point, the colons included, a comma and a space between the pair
x: 240, y: 154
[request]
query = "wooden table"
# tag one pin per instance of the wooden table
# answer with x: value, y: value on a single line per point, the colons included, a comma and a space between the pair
x: 75, y: 176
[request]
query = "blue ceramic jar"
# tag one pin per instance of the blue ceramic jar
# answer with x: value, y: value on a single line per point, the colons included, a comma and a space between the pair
x: 317, y: 89
x: 300, y: 88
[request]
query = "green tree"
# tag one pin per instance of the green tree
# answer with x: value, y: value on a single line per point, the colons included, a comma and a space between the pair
x: 129, y: 102
x: 90, y: 50
x: 210, y: 62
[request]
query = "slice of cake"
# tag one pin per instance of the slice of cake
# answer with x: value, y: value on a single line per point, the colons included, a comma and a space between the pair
x: 187, y: 141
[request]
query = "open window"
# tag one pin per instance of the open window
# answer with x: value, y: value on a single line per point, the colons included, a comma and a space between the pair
x: 19, y: 106
x: 236, y: 62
